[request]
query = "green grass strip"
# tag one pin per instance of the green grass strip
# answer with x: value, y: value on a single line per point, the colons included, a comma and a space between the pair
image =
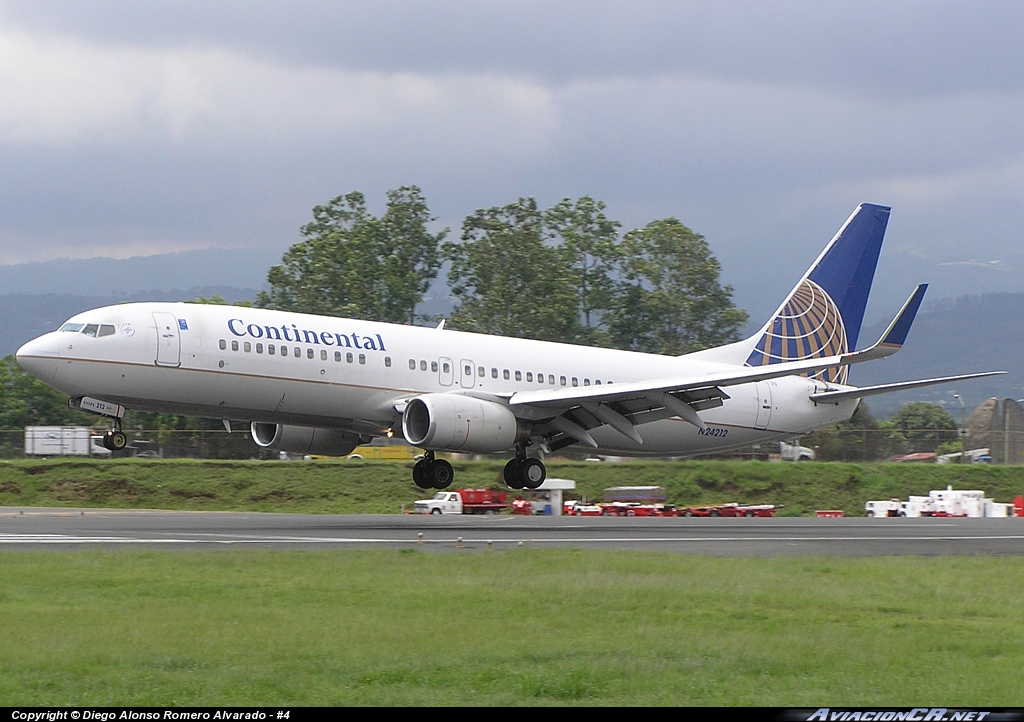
x: 517, y: 627
x: 346, y: 487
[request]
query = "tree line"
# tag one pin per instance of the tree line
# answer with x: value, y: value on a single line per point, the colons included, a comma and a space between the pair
x: 565, y: 273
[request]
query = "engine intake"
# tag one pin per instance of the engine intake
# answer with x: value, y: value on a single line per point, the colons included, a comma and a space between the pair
x: 452, y: 422
x: 303, y: 439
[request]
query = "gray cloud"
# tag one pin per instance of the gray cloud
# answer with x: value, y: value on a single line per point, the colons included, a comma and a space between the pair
x: 130, y: 128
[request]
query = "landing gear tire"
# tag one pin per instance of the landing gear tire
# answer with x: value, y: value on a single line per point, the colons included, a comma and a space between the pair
x: 440, y: 473
x: 531, y: 473
x: 115, y: 440
x: 419, y: 475
x: 510, y: 474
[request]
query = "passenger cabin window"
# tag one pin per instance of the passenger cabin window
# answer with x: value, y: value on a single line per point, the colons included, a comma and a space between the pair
x: 561, y: 380
x: 519, y: 375
x: 412, y: 364
x: 298, y: 352
x: 223, y: 345
x: 247, y: 347
x: 505, y: 374
x: 529, y: 376
x: 284, y: 350
x: 337, y: 355
x: 270, y: 349
x: 423, y: 365
x: 481, y: 372
x: 362, y: 358
x: 575, y: 381
x: 387, y: 361
x: 348, y: 357
x: 447, y: 367
x: 259, y: 348
x: 551, y: 379
x: 234, y: 345
x: 494, y: 373
x: 323, y: 354
x: 433, y: 366
x: 309, y: 353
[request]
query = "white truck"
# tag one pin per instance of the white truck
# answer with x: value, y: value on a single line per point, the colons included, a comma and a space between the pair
x: 942, y: 502
x: 464, y: 501
x: 63, y: 441
x: 795, y: 452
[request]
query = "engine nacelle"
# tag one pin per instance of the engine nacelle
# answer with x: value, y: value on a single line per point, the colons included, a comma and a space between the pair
x: 452, y: 422
x: 303, y: 439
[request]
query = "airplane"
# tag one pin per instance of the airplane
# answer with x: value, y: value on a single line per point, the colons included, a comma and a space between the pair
x: 323, y: 385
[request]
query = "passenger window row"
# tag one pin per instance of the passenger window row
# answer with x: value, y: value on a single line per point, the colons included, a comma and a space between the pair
x: 505, y: 374
x: 296, y: 351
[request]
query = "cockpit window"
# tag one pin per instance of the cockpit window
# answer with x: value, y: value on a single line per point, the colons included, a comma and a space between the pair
x: 72, y: 327
x: 106, y: 329
x: 91, y: 329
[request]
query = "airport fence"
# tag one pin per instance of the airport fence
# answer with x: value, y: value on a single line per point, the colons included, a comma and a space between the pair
x: 853, y: 445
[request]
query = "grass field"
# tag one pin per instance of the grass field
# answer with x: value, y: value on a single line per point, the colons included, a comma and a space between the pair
x: 505, y: 628
x: 385, y: 486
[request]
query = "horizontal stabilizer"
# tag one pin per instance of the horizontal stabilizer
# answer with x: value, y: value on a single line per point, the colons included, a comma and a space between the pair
x: 890, y: 388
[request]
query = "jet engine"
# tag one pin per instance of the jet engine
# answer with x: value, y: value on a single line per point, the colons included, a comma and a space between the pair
x: 452, y: 422
x: 303, y: 439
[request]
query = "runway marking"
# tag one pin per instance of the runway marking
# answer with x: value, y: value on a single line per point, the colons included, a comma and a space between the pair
x: 55, y: 539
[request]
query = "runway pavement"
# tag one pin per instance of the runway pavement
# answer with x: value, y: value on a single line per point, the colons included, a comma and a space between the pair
x: 68, y: 529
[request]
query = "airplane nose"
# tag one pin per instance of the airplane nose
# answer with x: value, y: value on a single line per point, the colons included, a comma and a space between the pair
x: 40, y: 357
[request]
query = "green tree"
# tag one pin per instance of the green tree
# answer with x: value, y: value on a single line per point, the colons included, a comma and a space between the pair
x: 356, y: 265
x: 508, y: 280
x: 27, y: 401
x: 590, y: 241
x: 922, y: 426
x: 669, y: 299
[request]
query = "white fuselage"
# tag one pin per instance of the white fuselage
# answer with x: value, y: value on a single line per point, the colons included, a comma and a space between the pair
x: 216, y: 361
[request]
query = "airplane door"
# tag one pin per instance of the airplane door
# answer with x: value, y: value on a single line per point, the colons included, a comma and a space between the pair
x: 168, y: 348
x: 764, y: 405
x: 466, y: 374
x: 446, y: 372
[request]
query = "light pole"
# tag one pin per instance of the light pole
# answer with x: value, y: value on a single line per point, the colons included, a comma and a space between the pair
x: 962, y: 430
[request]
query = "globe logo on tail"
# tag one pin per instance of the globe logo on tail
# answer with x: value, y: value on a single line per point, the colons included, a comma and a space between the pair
x: 808, y: 326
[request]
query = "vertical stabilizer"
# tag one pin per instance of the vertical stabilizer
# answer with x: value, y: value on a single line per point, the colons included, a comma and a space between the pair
x: 822, y: 315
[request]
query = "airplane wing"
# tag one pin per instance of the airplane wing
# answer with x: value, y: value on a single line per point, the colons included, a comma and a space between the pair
x: 572, y: 412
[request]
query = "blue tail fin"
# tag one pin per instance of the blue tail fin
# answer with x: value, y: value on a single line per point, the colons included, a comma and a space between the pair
x: 822, y: 316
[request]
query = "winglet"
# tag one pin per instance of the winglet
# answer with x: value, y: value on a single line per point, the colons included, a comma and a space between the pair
x: 894, y: 336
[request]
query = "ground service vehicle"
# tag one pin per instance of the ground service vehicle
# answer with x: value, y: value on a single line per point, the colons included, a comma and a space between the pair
x: 464, y: 501
x: 731, y: 509
x: 63, y: 441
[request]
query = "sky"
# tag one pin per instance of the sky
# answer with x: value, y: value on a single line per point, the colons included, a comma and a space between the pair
x: 132, y: 129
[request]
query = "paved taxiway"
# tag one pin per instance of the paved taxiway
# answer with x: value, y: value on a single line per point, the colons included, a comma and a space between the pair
x: 35, y: 528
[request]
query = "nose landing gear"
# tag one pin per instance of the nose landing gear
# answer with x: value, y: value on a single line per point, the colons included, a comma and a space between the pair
x: 115, y: 439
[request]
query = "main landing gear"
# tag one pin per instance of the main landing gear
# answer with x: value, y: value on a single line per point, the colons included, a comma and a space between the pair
x: 431, y: 473
x: 524, y: 473
x: 115, y: 439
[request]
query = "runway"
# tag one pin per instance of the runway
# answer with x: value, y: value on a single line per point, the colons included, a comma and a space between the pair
x: 69, y: 529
